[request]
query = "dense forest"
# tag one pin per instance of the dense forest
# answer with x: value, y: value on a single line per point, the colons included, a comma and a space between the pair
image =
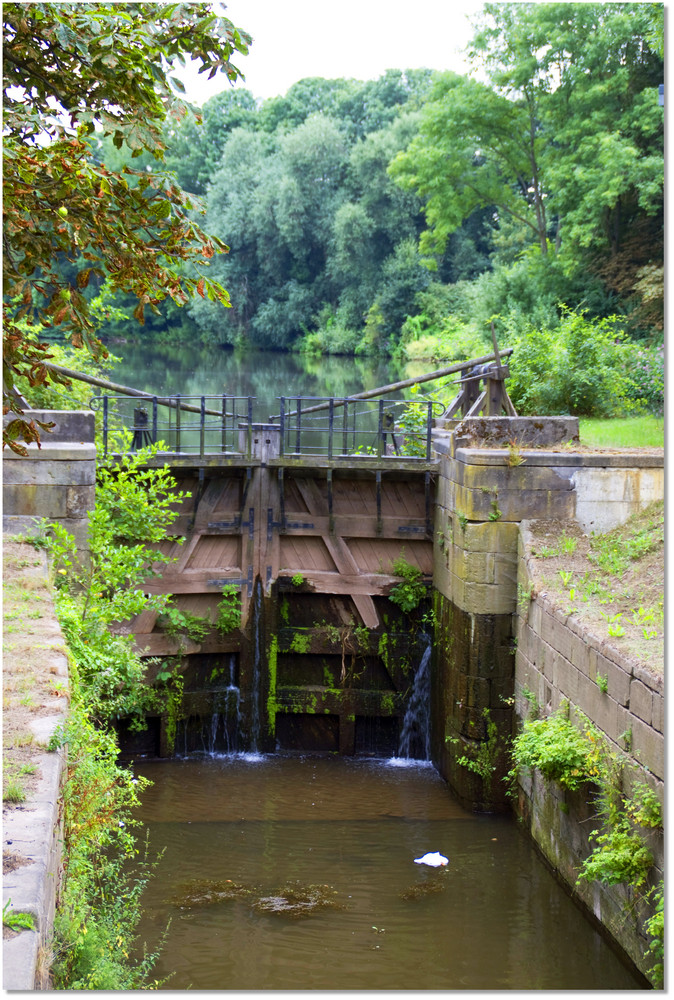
x: 401, y: 216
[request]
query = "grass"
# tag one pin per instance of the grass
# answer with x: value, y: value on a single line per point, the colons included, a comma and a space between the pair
x: 623, y: 432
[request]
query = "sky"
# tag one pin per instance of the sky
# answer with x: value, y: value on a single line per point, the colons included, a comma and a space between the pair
x: 293, y: 39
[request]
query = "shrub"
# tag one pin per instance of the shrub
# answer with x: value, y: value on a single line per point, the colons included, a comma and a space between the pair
x: 581, y: 368
x: 556, y: 748
x: 409, y: 594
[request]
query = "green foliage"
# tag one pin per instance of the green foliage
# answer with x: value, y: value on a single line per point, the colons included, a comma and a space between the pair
x: 229, y: 609
x: 556, y: 748
x: 621, y: 855
x: 602, y: 683
x: 581, y: 367
x: 70, y: 72
x: 297, y: 580
x: 483, y: 754
x: 132, y: 515
x: 300, y: 643
x: 644, y: 807
x: 103, y: 878
x: 16, y: 919
x: 175, y: 622
x: 410, y: 593
x: 655, y: 929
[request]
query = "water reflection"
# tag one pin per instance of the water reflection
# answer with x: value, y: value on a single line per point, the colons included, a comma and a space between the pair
x: 495, y: 920
x: 192, y: 369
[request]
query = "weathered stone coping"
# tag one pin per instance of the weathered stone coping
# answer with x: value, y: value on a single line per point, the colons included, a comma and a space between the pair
x: 559, y: 459
x: 56, y: 451
x: 34, y: 831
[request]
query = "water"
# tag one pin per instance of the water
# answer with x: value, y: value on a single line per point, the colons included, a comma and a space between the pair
x: 193, y: 369
x: 493, y: 919
x: 415, y: 737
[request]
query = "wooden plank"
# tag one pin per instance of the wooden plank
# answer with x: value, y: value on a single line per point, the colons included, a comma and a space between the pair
x: 341, y: 555
x: 195, y: 581
x: 161, y: 644
x: 354, y: 585
x: 361, y: 526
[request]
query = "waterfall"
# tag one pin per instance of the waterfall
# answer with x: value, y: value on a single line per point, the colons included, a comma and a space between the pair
x: 415, y: 738
x: 257, y: 665
x: 232, y: 710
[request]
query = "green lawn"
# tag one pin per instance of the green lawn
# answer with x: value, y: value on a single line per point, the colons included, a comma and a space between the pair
x: 623, y: 432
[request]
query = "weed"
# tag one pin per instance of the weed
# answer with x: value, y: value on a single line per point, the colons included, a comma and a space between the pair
x: 514, y: 457
x: 482, y: 755
x: 297, y: 580
x: 568, y: 545
x: 532, y: 701
x: 616, y: 630
x: 495, y: 513
x: 525, y: 596
x: 229, y: 609
x: 620, y: 856
x: 644, y: 806
x: 546, y: 552
x: 15, y: 918
x: 566, y: 576
x: 408, y: 594
x: 462, y: 519
x: 655, y: 929
x: 602, y: 683
x: 13, y: 792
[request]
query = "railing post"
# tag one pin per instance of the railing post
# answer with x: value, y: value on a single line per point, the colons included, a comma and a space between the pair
x: 154, y: 420
x: 282, y: 426
x: 105, y: 425
x: 223, y: 444
x: 202, y: 427
x: 298, y: 443
x: 380, y: 429
x: 331, y: 421
x: 178, y: 417
x: 429, y: 421
x: 345, y: 429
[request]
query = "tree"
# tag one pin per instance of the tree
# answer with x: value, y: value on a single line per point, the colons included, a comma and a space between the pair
x: 566, y: 138
x: 72, y: 72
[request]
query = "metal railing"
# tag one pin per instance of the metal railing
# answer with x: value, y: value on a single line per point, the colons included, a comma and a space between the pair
x: 187, y: 425
x: 348, y: 428
x: 328, y: 427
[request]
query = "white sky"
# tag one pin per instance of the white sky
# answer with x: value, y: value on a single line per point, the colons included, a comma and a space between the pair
x: 293, y: 39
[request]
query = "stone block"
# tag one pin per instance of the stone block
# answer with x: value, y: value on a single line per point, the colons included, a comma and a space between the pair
x: 489, y: 536
x: 648, y: 746
x: 69, y: 425
x: 641, y: 701
x: 617, y: 678
x: 35, y: 472
x: 35, y: 501
x: 499, y: 431
x: 79, y: 500
x: 584, y: 657
x: 515, y: 505
x: 505, y: 571
x: 567, y: 678
x: 522, y: 477
x: 486, y: 599
x: 658, y: 721
x: 472, y: 567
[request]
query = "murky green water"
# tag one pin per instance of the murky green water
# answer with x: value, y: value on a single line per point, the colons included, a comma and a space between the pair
x: 493, y: 919
x: 192, y: 369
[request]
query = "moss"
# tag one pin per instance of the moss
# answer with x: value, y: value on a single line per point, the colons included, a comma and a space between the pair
x: 272, y: 704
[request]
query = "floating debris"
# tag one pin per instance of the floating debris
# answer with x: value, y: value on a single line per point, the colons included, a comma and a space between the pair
x: 295, y: 900
x: 204, y: 892
x: 434, y: 860
x: 422, y: 889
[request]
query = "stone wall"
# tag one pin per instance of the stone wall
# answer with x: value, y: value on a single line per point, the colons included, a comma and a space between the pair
x: 55, y: 481
x: 559, y: 660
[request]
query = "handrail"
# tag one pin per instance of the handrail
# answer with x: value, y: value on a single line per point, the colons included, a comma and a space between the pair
x: 406, y: 383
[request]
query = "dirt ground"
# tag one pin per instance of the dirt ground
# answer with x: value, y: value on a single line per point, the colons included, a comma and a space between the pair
x: 33, y: 682
x: 596, y: 597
